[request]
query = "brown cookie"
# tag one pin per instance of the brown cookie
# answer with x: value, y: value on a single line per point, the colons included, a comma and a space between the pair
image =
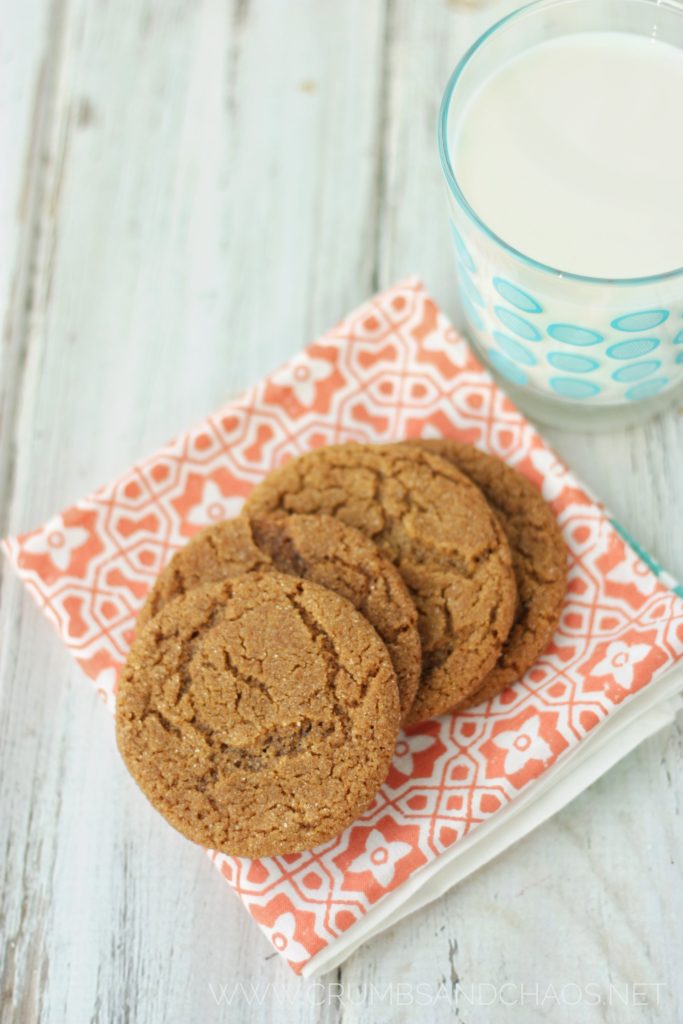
x: 259, y: 714
x: 317, y: 548
x: 437, y: 529
x: 539, y: 558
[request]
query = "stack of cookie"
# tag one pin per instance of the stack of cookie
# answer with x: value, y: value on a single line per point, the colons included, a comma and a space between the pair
x: 364, y: 587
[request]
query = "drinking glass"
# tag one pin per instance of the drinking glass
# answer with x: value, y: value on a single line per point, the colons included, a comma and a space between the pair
x: 573, y: 350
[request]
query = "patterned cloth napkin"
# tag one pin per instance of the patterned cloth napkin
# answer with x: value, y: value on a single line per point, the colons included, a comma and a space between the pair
x: 393, y: 369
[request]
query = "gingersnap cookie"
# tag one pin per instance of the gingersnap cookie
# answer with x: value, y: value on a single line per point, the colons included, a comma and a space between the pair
x: 259, y: 714
x: 318, y: 548
x: 435, y: 526
x: 539, y: 559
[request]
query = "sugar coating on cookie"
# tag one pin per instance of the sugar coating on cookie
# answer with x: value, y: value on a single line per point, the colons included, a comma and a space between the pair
x: 318, y: 548
x: 258, y: 715
x: 539, y: 559
x: 436, y: 527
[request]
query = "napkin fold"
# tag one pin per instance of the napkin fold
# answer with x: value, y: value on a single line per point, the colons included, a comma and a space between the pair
x: 462, y: 787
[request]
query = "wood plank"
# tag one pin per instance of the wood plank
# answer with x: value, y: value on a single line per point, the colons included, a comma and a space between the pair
x: 27, y: 70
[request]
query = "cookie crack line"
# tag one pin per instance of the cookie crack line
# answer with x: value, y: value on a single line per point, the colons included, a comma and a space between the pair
x: 251, y: 681
x: 321, y: 638
x: 188, y: 647
x: 276, y: 743
x: 165, y: 723
x: 390, y: 632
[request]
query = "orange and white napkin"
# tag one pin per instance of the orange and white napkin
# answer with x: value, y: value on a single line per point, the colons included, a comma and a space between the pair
x: 461, y: 788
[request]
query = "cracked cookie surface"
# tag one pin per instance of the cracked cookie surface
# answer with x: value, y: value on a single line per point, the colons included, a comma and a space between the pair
x: 437, y: 529
x: 539, y: 559
x: 318, y: 548
x: 258, y: 715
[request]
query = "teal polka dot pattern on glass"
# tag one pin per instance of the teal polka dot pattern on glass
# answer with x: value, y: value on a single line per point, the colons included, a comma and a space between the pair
x: 642, y: 321
x: 517, y: 324
x: 571, y: 363
x: 461, y: 249
x: 648, y: 389
x: 633, y: 349
x: 471, y: 312
x: 506, y: 367
x: 636, y: 371
x: 601, y: 348
x: 571, y: 334
x: 516, y: 296
x: 571, y: 387
x: 471, y: 291
x: 513, y: 350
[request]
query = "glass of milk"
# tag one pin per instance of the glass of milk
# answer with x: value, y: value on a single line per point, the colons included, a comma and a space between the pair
x: 561, y: 140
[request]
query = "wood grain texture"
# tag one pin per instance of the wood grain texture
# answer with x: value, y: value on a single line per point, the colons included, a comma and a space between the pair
x: 193, y: 191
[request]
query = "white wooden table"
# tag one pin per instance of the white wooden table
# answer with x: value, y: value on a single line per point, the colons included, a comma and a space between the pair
x: 191, y: 190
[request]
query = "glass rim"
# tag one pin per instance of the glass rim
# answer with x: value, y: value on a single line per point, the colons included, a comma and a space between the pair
x: 452, y: 181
